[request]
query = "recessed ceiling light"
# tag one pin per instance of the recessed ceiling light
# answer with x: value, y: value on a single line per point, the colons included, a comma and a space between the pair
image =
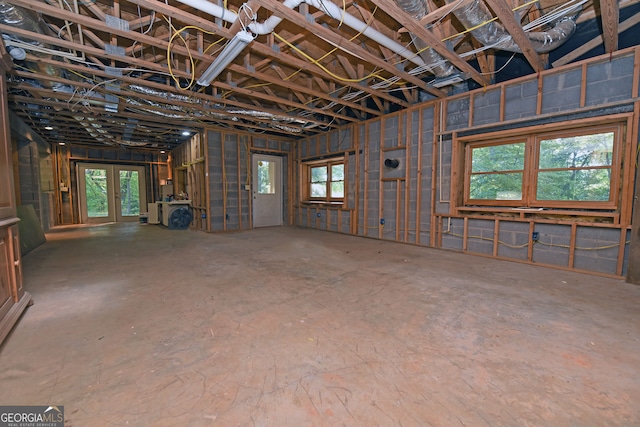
x: 61, y: 143
x: 48, y: 127
x: 186, y: 133
x: 162, y: 151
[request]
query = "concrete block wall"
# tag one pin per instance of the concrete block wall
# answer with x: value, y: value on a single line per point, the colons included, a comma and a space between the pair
x: 521, y: 100
x: 553, y: 246
x: 561, y: 92
x: 414, y: 135
x: 229, y: 169
x: 609, y: 82
x: 426, y: 140
x: 597, y: 249
x: 486, y: 107
x: 513, y: 240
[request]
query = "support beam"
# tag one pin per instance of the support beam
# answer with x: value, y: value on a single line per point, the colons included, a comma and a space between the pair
x: 610, y: 15
x: 505, y: 15
x: 427, y: 36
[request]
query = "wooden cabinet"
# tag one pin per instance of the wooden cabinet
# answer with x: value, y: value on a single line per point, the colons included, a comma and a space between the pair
x: 13, y: 298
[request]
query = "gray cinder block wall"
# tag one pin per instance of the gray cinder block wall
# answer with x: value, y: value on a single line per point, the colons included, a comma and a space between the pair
x: 429, y: 169
x: 230, y: 169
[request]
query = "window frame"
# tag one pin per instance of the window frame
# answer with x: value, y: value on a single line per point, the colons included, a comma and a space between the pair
x: 328, y: 163
x: 468, y: 172
x: 532, y: 168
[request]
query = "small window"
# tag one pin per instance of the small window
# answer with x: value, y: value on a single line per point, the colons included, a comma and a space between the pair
x: 325, y: 181
x: 266, y: 177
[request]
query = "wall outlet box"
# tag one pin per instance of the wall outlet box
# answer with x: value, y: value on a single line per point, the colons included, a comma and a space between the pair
x: 535, y: 236
x: 247, y: 187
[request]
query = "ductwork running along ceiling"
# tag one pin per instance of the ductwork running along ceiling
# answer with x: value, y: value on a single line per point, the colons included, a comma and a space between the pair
x: 139, y: 73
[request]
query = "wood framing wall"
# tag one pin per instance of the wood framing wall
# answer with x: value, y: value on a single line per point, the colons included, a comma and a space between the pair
x: 226, y: 158
x: 420, y: 202
x: 189, y: 165
x: 65, y: 174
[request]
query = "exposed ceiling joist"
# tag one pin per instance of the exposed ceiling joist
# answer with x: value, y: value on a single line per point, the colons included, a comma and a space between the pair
x: 131, y: 66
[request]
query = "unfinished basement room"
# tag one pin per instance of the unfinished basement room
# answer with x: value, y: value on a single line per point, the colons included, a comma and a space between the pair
x: 319, y: 213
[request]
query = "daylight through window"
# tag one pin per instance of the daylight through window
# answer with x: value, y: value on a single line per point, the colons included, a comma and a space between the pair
x: 564, y: 169
x: 325, y: 180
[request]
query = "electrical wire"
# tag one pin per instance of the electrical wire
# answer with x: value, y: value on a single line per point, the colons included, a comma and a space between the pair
x: 191, y: 60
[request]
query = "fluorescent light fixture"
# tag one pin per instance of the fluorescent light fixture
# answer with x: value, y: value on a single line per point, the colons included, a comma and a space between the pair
x: 228, y: 54
x: 186, y: 133
x: 162, y: 151
x: 48, y: 127
x: 62, y: 143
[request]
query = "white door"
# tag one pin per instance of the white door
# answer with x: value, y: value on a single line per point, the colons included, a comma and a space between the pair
x: 267, y: 190
x: 110, y: 193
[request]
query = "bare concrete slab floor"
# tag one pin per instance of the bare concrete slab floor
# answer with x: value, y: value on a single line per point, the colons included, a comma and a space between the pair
x: 142, y: 326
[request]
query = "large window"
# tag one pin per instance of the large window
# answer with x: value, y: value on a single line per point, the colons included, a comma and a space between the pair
x: 569, y: 169
x: 324, y: 181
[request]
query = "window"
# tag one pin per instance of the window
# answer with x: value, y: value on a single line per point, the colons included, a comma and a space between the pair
x: 266, y: 177
x: 325, y: 181
x: 570, y: 169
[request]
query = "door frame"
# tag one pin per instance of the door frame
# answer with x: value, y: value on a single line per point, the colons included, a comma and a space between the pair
x: 279, y: 185
x: 113, y: 196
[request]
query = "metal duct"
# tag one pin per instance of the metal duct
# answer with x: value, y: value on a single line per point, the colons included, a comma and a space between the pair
x: 493, y: 33
x: 435, y: 63
x: 27, y: 20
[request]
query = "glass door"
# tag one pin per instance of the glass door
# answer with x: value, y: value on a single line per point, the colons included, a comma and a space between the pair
x: 111, y: 193
x: 131, y: 200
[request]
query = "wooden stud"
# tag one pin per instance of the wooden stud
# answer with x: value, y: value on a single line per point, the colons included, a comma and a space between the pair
x: 239, y: 183
x: 465, y: 234
x: 572, y: 245
x: 583, y: 86
x: 407, y: 172
x: 249, y: 149
x: 358, y: 148
x: 539, y: 97
x: 380, y: 181
x: 419, y: 177
x: 636, y: 75
x: 398, y: 208
x: 224, y: 183
x: 496, y: 237
x: 456, y: 166
x: 532, y: 227
x: 629, y: 165
x: 327, y: 222
x: 621, y: 249
x: 472, y: 98
x: 365, y: 200
x: 503, y: 101
x: 437, y: 112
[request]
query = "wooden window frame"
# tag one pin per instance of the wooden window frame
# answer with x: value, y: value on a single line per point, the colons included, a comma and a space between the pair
x: 306, y: 174
x: 531, y: 168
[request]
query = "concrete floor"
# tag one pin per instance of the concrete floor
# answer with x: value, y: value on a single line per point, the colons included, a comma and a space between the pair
x: 142, y: 326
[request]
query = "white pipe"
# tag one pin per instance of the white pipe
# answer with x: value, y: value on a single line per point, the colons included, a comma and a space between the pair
x: 212, y: 9
x: 330, y: 9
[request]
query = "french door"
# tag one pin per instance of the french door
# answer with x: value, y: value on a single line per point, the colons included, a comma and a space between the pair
x: 111, y: 193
